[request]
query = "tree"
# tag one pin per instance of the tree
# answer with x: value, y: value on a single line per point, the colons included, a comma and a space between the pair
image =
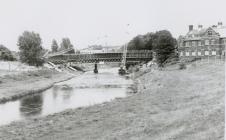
x: 141, y: 42
x: 65, y: 44
x: 30, y: 48
x: 164, y: 46
x: 137, y: 43
x: 148, y: 39
x: 162, y: 43
x: 6, y: 54
x: 54, y: 46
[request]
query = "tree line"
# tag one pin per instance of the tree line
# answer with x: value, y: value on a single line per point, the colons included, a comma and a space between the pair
x: 162, y: 43
x: 31, y: 51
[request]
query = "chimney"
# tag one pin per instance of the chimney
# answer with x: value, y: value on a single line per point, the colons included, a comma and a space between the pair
x: 190, y: 28
x: 214, y: 26
x: 199, y: 26
x: 219, y: 23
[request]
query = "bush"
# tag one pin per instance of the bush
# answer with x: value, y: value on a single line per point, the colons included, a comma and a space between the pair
x: 6, y: 54
x: 182, y: 66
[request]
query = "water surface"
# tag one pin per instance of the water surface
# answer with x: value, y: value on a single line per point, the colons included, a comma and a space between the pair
x: 85, y: 90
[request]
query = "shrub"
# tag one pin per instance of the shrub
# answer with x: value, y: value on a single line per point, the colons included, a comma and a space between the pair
x: 182, y: 66
x: 6, y: 54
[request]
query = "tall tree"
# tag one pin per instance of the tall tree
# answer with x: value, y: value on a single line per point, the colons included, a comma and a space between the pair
x: 164, y: 46
x: 30, y: 48
x: 65, y: 44
x: 141, y: 42
x: 54, y: 46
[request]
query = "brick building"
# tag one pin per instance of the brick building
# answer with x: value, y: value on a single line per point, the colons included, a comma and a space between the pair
x: 203, y: 42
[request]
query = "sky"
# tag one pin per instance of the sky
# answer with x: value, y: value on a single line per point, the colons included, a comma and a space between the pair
x: 104, y: 22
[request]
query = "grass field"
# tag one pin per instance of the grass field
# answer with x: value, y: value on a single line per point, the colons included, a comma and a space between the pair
x: 171, y: 104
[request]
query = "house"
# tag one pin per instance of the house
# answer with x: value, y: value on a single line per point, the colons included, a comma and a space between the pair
x: 99, y: 49
x: 203, y: 42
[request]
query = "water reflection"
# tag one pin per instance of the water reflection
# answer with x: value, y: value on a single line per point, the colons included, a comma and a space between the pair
x: 85, y: 90
x: 55, y: 90
x: 31, y: 105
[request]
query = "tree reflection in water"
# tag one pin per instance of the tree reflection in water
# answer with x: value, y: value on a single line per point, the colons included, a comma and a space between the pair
x: 31, y: 105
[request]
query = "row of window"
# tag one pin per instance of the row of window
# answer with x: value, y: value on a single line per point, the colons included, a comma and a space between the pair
x: 199, y: 53
x: 199, y: 43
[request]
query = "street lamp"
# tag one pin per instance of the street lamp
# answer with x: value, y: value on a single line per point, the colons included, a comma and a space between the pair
x: 125, y: 48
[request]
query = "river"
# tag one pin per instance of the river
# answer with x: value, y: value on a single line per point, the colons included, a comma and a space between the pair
x: 85, y: 90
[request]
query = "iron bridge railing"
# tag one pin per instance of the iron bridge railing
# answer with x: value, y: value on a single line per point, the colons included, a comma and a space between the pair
x: 132, y: 55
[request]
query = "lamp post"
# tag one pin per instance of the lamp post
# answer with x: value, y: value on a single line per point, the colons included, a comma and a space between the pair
x: 122, y: 69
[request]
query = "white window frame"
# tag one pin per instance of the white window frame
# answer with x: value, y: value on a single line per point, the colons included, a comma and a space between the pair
x: 214, y: 53
x: 207, y: 53
x: 193, y: 54
x: 186, y: 44
x: 213, y: 42
x: 181, y: 53
x: 193, y: 43
x: 187, y: 54
x: 199, y: 43
x: 199, y: 53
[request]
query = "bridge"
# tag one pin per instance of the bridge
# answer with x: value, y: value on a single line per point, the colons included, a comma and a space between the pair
x: 132, y: 56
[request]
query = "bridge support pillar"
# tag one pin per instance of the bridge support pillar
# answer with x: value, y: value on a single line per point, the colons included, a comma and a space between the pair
x: 95, y: 68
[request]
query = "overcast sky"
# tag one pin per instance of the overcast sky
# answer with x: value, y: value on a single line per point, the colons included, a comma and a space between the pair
x: 88, y: 22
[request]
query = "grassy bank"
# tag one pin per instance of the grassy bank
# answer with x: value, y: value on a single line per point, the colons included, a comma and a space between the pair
x: 171, y: 104
x: 17, y: 85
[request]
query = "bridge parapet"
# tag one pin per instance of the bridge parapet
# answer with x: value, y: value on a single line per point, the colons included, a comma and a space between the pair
x: 132, y: 55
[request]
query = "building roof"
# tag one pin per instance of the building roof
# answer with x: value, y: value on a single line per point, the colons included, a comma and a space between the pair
x: 221, y: 31
x: 197, y: 32
x: 200, y: 32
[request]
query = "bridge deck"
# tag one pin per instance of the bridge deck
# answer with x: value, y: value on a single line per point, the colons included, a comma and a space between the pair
x: 106, y: 57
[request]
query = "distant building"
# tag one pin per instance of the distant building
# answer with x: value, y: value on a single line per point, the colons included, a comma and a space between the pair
x: 203, y: 42
x: 99, y: 49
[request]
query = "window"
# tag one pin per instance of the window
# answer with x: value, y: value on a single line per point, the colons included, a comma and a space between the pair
x: 193, y: 43
x: 212, y: 42
x: 181, y: 53
x: 187, y: 53
x: 207, y: 42
x: 190, y: 43
x: 210, y: 33
x: 224, y: 41
x: 187, y: 44
x: 203, y: 42
x: 199, y: 43
x: 206, y: 52
x: 199, y: 53
x: 193, y: 54
x: 214, y: 53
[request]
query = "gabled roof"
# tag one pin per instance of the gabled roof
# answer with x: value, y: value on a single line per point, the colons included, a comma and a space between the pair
x: 221, y: 31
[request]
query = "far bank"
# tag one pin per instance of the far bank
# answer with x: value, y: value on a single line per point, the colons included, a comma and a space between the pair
x: 13, y: 86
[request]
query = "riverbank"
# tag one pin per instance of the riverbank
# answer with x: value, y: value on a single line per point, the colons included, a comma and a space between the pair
x: 13, y: 86
x: 171, y: 104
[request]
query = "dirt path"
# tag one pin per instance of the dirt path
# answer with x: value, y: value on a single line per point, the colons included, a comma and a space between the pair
x: 17, y: 85
x: 172, y: 104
